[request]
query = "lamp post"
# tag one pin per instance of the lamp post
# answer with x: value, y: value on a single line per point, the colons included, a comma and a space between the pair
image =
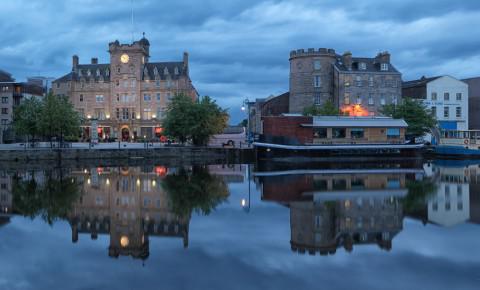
x: 246, y: 203
x: 246, y: 107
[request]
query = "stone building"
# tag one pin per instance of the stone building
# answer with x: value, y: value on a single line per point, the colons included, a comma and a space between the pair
x: 357, y: 85
x: 11, y: 94
x: 129, y: 205
x: 127, y: 97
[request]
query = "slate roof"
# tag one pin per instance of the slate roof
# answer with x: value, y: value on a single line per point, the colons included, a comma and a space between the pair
x: 152, y: 71
x: 423, y: 81
x: 5, y: 76
x: 371, y: 65
x: 363, y: 122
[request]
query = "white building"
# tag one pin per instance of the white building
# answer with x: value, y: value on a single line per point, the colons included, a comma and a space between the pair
x: 445, y: 96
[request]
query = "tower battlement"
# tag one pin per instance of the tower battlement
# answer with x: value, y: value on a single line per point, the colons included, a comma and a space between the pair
x: 312, y: 52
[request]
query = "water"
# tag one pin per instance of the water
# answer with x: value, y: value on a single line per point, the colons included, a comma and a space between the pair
x: 342, y: 225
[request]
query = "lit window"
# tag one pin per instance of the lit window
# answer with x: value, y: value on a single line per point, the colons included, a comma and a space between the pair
x: 99, y: 98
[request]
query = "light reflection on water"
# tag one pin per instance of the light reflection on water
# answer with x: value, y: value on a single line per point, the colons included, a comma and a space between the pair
x: 401, y: 225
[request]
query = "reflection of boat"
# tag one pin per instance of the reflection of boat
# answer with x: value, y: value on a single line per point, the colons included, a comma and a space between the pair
x: 458, y: 143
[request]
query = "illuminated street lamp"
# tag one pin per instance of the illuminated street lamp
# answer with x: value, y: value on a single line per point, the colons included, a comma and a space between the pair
x: 244, y: 202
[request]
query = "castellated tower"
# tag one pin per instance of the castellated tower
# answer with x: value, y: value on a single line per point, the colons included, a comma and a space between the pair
x: 311, y: 77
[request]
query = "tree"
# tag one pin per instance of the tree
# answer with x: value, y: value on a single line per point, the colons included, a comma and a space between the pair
x: 420, y: 120
x: 243, y: 123
x: 58, y: 118
x: 327, y: 109
x: 196, y: 120
x: 27, y: 117
x: 194, y: 190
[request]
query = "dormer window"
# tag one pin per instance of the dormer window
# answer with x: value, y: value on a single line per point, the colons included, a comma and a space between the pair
x: 145, y: 71
x: 89, y: 72
x: 107, y: 72
x: 165, y: 71
x: 384, y: 66
x: 176, y: 70
x: 155, y: 71
x: 80, y: 72
x: 98, y: 72
x: 362, y: 66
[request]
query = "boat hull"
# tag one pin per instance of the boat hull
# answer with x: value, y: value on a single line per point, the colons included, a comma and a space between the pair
x: 447, y: 150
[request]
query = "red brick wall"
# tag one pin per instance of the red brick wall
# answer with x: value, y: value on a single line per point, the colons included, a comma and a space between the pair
x: 288, y: 127
x: 286, y: 188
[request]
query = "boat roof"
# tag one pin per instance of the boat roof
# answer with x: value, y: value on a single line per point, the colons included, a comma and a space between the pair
x: 360, y: 122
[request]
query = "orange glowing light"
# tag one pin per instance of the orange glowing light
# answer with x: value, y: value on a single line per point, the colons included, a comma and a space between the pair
x: 161, y: 170
x: 355, y: 111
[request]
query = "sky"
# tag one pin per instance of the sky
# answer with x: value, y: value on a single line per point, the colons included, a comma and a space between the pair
x: 240, y: 49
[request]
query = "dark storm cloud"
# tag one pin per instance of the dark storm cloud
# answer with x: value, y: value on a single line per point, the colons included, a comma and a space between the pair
x: 241, y: 48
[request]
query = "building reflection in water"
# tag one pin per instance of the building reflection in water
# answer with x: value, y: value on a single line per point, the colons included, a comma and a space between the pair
x: 340, y: 209
x: 129, y: 205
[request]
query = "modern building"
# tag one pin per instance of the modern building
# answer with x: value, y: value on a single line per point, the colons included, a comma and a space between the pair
x: 446, y: 97
x: 473, y: 103
x: 11, y: 95
x: 126, y: 98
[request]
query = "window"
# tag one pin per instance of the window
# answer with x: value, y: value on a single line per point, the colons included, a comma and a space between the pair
x: 382, y: 100
x: 446, y: 96
x: 169, y: 96
x: 147, y: 97
x: 81, y: 98
x: 358, y: 81
x: 125, y: 84
x: 320, y: 133
x: 395, y: 83
x: 458, y: 112
x: 125, y: 113
x: 446, y: 112
x: 339, y: 184
x: 434, y: 110
x: 100, y: 114
x: 134, y: 83
x: 359, y: 100
x: 81, y: 112
x: 147, y: 114
x: 118, y: 113
x: 158, y: 97
x: 347, y: 81
x: 99, y: 98
x: 317, y: 82
x: 160, y: 112
x: 357, y: 133
x: 4, y: 100
x: 371, y: 101
x: 4, y: 121
x: 317, y: 99
x: 394, y: 100
x: 459, y: 96
x: 339, y: 132
x: 362, y: 66
x: 346, y: 99
x: 370, y: 81
x: 434, y: 96
x: 157, y: 83
x: 117, y: 83
x: 384, y: 66
x: 393, y: 133
x: 317, y: 65
x: 4, y: 111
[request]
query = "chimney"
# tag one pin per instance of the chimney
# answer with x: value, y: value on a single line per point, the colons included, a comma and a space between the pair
x: 74, y: 62
x: 94, y: 60
x: 383, y: 57
x: 185, y: 62
x: 347, y: 60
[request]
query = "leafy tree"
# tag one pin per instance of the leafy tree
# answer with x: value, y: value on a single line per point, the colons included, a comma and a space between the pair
x: 418, y: 193
x: 196, y: 120
x: 419, y: 119
x: 195, y: 190
x: 27, y: 117
x: 327, y: 109
x: 58, y: 118
x: 51, y: 200
x: 243, y: 123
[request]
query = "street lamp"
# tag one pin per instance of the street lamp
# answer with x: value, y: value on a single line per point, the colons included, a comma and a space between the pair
x: 246, y: 106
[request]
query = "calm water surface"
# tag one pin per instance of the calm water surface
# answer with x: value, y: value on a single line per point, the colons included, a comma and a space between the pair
x: 357, y: 225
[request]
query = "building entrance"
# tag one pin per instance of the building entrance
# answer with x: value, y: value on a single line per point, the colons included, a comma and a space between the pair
x: 125, y: 134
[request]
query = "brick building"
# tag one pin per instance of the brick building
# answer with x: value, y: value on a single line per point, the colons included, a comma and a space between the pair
x: 473, y: 103
x: 127, y: 97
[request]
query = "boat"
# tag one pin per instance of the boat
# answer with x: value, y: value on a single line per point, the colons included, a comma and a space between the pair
x: 458, y: 143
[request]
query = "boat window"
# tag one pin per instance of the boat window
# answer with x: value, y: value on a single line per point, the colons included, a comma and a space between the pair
x: 357, y: 133
x: 319, y: 132
x: 339, y: 132
x: 393, y: 133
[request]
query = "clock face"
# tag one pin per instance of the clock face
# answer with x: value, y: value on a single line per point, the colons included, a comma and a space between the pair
x: 124, y: 58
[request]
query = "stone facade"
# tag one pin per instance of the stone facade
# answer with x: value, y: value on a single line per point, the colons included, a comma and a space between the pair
x: 126, y: 98
x: 358, y: 86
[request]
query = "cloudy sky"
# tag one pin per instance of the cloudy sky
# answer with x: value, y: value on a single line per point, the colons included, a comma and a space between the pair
x: 240, y: 49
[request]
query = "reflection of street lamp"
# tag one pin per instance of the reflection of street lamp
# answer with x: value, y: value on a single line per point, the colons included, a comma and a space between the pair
x: 246, y: 203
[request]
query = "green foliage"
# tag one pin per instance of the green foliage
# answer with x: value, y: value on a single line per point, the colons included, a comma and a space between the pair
x: 26, y: 118
x: 418, y: 193
x: 54, y: 116
x: 419, y: 119
x: 194, y: 190
x: 58, y: 118
x: 243, y: 123
x: 327, y: 109
x: 196, y: 121
x: 51, y: 200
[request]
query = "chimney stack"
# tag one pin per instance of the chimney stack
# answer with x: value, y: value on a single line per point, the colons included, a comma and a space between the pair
x: 383, y: 57
x: 347, y: 60
x: 185, y: 61
x: 74, y: 62
x: 94, y: 60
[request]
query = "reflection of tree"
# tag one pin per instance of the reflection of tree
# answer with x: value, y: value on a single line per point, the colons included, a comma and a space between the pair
x: 194, y: 189
x: 51, y: 199
x: 418, y: 193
